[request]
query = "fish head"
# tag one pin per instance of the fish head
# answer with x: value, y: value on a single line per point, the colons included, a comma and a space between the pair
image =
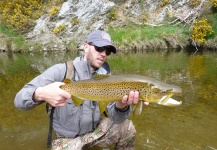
x: 166, y: 99
x: 162, y: 95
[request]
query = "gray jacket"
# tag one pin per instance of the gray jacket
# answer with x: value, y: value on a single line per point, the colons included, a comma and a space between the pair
x: 70, y: 120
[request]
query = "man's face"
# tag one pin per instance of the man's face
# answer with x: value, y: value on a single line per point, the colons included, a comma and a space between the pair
x: 94, y: 57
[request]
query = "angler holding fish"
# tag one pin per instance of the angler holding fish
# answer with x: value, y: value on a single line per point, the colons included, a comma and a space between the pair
x: 77, y: 106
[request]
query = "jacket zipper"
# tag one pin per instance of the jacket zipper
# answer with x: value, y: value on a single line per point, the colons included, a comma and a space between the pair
x: 93, y: 113
x: 81, y: 106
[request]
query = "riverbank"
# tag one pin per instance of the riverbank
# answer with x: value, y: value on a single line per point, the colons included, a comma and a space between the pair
x: 135, y: 26
x: 133, y: 38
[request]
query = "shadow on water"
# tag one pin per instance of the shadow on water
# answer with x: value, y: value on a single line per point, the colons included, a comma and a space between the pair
x: 190, y: 126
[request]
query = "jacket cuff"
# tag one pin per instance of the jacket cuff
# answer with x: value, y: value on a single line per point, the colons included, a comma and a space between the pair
x: 122, y: 110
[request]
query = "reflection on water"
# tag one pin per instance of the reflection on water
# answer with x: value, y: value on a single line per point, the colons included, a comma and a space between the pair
x: 190, y: 126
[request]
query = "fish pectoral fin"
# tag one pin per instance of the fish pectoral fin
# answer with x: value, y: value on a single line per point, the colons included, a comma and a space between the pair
x: 137, y: 109
x: 77, y: 101
x: 100, y: 76
x: 102, y: 106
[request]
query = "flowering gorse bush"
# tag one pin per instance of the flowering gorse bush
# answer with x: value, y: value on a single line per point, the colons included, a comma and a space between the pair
x: 59, y: 28
x: 54, y: 10
x: 201, y: 29
x: 213, y: 3
x: 21, y: 14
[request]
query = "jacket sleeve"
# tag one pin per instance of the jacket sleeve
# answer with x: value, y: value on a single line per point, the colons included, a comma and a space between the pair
x: 118, y: 116
x: 24, y: 98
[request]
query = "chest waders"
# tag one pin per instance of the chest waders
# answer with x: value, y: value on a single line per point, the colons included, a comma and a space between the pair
x: 50, y: 109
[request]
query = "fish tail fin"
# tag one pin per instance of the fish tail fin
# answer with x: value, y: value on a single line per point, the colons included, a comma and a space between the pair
x: 137, y: 109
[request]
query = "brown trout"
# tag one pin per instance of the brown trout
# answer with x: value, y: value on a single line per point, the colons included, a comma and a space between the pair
x: 110, y: 88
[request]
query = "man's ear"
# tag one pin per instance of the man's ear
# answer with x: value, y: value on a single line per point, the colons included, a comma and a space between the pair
x: 86, y: 47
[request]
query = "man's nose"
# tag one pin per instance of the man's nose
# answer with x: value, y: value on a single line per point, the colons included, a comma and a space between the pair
x: 103, y: 52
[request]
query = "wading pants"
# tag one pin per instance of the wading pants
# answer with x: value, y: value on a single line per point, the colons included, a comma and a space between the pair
x: 122, y: 136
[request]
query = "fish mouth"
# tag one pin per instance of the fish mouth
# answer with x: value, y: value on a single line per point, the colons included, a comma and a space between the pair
x: 167, y: 101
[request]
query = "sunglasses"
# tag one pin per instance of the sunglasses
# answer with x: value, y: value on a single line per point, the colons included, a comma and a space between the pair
x: 101, y: 49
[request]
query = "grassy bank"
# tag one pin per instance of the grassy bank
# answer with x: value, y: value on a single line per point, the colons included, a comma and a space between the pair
x: 133, y: 38
x: 13, y: 40
x: 140, y: 37
x: 144, y: 32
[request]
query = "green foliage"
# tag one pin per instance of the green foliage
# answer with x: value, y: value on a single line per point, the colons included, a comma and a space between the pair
x: 165, y: 2
x: 112, y: 14
x: 19, y: 41
x: 200, y: 30
x: 143, y: 32
x: 74, y: 21
x: 59, y: 28
x: 194, y: 3
x: 20, y: 14
x: 54, y: 10
x: 7, y: 31
x: 213, y: 4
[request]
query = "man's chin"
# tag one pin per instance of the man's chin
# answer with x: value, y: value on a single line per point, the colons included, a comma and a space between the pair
x: 97, y: 66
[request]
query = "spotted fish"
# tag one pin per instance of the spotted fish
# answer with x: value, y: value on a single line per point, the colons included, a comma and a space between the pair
x: 110, y: 88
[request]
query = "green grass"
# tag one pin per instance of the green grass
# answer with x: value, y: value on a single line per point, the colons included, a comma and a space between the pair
x: 144, y: 32
x: 212, y: 19
x: 16, y: 38
x: 7, y: 31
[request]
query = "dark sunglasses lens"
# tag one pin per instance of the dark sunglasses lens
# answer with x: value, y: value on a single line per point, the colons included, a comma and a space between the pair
x: 108, y: 52
x: 101, y: 49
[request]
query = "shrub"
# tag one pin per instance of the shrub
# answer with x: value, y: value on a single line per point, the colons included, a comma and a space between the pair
x: 200, y: 30
x: 194, y: 3
x: 54, y: 10
x: 21, y: 14
x: 74, y: 21
x: 213, y: 4
x: 18, y: 13
x: 112, y: 14
x: 59, y: 28
x: 165, y: 2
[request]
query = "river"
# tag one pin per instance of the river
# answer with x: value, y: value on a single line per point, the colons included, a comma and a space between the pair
x: 191, y: 126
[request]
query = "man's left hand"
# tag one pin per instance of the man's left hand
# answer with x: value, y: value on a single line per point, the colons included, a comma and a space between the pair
x: 132, y: 98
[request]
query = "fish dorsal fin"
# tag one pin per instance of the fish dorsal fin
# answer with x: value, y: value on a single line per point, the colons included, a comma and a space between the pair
x: 66, y: 80
x: 100, y: 76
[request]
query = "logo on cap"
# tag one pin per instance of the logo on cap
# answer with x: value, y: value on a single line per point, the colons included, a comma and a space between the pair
x: 105, y: 36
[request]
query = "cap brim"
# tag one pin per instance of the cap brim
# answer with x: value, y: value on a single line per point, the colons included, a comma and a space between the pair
x: 104, y: 43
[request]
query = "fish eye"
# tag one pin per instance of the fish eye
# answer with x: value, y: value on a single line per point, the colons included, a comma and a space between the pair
x: 163, y: 92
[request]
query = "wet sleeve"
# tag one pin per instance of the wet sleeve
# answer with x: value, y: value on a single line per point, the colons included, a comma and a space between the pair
x: 117, y: 115
x: 24, y: 98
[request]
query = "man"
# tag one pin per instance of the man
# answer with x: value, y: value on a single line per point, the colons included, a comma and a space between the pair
x: 75, y: 125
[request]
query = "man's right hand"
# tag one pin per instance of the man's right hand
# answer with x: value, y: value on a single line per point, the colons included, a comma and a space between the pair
x: 52, y: 94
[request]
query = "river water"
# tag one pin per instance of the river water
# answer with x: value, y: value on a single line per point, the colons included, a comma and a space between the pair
x: 191, y: 126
